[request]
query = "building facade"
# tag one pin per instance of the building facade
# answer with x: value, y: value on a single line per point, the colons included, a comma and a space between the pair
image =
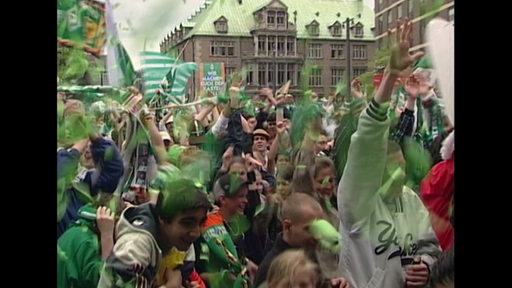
x: 274, y: 39
x: 388, y: 11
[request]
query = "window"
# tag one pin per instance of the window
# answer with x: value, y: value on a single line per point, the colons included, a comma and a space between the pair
x: 290, y: 46
x: 359, y: 52
x: 315, y: 50
x: 315, y: 78
x: 290, y: 72
x: 356, y: 71
x: 336, y: 31
x: 249, y: 76
x: 336, y: 75
x: 281, y: 73
x: 271, y: 45
x: 230, y: 70
x: 270, y: 73
x: 262, y: 73
x: 281, y: 19
x: 390, y: 19
x: 222, y: 48
x: 281, y: 42
x: 451, y: 14
x: 262, y: 45
x: 380, y: 25
x: 399, y: 11
x: 271, y: 18
x: 358, y: 30
x: 221, y: 25
x: 337, y: 51
x: 313, y: 29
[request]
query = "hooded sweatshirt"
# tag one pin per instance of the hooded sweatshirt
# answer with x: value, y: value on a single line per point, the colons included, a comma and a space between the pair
x: 379, y: 236
x: 136, y: 257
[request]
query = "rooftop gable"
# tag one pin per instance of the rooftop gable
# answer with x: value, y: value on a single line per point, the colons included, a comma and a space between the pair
x: 242, y: 21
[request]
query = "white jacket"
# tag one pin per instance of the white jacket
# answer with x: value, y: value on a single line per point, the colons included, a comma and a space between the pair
x: 378, y: 237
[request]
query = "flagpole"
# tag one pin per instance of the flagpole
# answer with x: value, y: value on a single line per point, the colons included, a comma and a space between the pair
x: 181, y: 52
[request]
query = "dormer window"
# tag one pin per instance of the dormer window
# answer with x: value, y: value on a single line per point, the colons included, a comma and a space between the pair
x: 335, y: 29
x: 281, y: 19
x: 313, y: 28
x: 358, y: 30
x: 271, y: 18
x: 221, y: 25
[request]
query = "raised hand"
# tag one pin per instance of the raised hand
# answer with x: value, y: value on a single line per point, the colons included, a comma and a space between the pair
x: 400, y: 58
x: 288, y: 99
x: 355, y: 88
x: 280, y: 127
x: 105, y: 220
x: 227, y: 157
x: 412, y: 86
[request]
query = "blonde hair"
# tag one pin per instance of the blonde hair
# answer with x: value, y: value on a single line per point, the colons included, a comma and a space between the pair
x: 288, y: 265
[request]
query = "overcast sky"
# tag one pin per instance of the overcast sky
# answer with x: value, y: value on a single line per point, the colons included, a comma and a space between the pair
x: 148, y: 21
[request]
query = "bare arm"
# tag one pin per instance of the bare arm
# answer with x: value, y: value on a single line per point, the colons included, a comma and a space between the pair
x: 201, y: 116
x: 155, y: 137
x: 105, y: 223
x: 165, y: 118
x: 245, y: 125
x: 276, y: 144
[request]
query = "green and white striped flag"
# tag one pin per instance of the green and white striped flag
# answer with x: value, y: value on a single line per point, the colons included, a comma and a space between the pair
x: 175, y: 81
x: 155, y: 67
x: 165, y: 75
x: 120, y: 70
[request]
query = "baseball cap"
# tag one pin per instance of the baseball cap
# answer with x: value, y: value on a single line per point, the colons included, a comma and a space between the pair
x: 228, y: 185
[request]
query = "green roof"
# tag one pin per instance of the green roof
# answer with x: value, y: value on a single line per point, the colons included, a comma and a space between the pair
x: 241, y: 20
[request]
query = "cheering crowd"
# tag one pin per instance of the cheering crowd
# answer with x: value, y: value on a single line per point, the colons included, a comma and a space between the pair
x: 282, y: 191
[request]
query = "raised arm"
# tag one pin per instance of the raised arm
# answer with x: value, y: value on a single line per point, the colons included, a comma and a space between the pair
x: 156, y: 139
x: 201, y: 115
x: 161, y: 124
x: 405, y: 125
x: 366, y: 159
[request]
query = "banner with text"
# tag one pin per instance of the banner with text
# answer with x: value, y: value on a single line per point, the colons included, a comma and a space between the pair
x: 81, y: 22
x: 212, y: 76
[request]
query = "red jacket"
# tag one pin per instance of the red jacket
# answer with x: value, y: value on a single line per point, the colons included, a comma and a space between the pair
x: 436, y: 190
